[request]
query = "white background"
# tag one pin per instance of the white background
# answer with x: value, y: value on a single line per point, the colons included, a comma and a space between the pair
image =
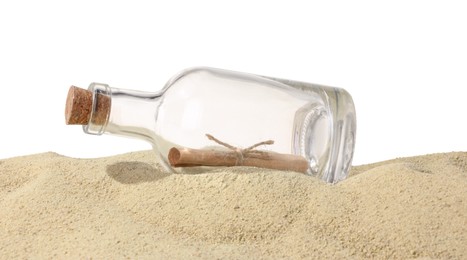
x: 404, y: 62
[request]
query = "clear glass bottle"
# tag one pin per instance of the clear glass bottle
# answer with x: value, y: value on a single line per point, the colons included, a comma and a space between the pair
x: 312, y: 121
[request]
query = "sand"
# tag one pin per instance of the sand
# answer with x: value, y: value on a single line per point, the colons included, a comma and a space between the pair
x: 124, y: 207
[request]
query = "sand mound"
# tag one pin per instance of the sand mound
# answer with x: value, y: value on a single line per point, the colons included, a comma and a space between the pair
x: 124, y: 206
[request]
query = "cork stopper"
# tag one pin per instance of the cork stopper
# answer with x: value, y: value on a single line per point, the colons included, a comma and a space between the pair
x: 79, y: 107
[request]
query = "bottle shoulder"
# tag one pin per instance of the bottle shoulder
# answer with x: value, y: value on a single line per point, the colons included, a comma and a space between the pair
x: 189, y: 72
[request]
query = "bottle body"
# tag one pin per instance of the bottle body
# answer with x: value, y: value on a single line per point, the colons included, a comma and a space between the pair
x: 311, y: 121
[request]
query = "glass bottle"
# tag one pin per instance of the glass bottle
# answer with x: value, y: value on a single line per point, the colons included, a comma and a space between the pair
x: 218, y: 110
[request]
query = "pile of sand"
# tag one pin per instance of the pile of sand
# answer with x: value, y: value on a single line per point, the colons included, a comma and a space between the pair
x: 123, y: 206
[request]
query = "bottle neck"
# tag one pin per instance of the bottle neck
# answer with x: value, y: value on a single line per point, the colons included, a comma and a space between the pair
x: 123, y: 112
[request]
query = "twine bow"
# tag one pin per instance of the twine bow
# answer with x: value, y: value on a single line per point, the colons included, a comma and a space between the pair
x: 242, y: 153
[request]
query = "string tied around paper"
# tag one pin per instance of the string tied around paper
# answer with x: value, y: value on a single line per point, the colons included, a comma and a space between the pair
x: 242, y: 153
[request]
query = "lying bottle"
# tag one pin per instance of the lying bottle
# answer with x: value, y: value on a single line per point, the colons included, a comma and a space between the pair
x: 207, y: 117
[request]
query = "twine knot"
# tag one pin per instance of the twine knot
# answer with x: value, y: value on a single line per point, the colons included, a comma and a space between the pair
x: 241, y: 153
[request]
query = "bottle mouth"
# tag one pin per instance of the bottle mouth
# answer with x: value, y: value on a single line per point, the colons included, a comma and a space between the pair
x: 100, y: 109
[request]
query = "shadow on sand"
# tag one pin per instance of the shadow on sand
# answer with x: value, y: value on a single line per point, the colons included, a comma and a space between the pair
x: 134, y: 172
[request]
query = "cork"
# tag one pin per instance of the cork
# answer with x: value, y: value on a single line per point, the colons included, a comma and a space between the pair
x: 79, y: 107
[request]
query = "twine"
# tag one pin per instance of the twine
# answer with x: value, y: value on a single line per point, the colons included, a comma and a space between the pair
x: 242, y: 153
